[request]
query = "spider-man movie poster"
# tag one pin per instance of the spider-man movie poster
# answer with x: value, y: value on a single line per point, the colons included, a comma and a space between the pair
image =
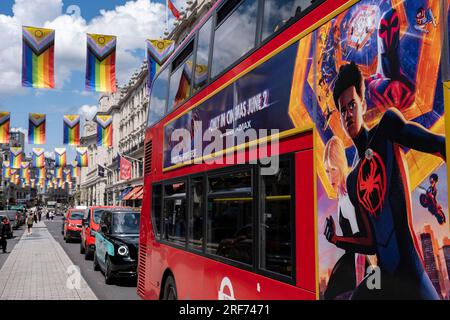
x: 371, y: 81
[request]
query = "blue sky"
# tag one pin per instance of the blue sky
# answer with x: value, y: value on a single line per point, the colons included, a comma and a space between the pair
x: 131, y: 21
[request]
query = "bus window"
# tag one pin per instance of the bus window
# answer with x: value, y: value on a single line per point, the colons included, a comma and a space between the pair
x: 235, y: 36
x: 276, y: 221
x: 196, y: 214
x: 279, y: 12
x: 180, y: 84
x: 229, y: 222
x: 157, y: 104
x: 201, y: 66
x: 174, y: 219
x: 156, y: 209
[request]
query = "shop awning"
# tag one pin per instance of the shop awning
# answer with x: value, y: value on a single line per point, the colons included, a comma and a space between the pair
x: 136, y: 194
x: 139, y: 195
x: 132, y: 193
x: 124, y: 192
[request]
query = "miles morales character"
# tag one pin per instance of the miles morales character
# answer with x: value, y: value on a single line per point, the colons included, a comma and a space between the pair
x: 378, y: 189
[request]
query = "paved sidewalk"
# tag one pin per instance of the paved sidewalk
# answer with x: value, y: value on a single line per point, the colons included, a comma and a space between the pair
x: 37, y: 269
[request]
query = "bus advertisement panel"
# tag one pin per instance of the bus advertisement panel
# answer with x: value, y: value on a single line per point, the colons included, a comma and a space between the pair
x: 380, y: 151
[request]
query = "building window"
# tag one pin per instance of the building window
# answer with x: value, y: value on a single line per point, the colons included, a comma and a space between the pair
x: 236, y: 35
x: 229, y: 220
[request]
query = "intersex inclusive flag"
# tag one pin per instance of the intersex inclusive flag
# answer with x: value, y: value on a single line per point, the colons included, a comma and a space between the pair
x: 38, y: 158
x: 15, y: 157
x: 41, y: 183
x: 104, y: 130
x: 67, y: 176
x: 59, y: 172
x: 38, y: 57
x: 25, y: 170
x: 33, y: 183
x: 36, y: 128
x: 74, y: 169
x: 40, y: 173
x: 4, y: 127
x: 60, y: 157
x: 71, y: 129
x: 49, y: 184
x: 157, y: 53
x: 101, y: 63
x: 14, y: 177
x: 6, y: 170
x: 82, y: 157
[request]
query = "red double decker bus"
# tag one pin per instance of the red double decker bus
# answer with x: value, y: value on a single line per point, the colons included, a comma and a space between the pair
x: 280, y: 77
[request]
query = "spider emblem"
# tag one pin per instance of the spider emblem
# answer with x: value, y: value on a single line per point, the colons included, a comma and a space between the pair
x: 371, y: 183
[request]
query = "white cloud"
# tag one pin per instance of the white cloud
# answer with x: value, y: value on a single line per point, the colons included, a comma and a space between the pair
x: 50, y: 155
x: 88, y: 112
x: 20, y: 129
x: 132, y: 23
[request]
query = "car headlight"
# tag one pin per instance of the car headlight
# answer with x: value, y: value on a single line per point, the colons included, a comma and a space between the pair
x: 123, y: 250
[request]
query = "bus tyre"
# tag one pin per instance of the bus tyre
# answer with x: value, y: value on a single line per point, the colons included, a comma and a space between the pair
x: 81, y: 247
x: 108, y: 274
x: 170, y: 290
x: 96, y: 266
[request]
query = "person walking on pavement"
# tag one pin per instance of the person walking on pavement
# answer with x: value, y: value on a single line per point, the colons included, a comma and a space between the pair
x: 5, y: 230
x: 51, y: 215
x: 40, y: 214
x: 35, y: 216
x: 30, y: 220
x: 47, y: 214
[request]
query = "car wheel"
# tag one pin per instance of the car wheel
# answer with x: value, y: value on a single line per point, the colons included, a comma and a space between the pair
x: 108, y: 273
x: 96, y: 265
x: 81, y: 247
x: 170, y: 290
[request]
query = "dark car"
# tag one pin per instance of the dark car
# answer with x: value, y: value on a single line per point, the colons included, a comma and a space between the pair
x: 2, y: 215
x: 12, y: 217
x: 116, y: 244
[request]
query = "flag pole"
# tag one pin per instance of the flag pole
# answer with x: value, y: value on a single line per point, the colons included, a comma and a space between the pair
x: 167, y: 15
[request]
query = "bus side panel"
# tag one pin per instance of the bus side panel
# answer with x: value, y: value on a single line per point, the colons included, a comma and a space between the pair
x: 305, y: 221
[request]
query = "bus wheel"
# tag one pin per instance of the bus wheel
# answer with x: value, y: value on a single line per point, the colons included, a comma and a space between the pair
x: 170, y: 290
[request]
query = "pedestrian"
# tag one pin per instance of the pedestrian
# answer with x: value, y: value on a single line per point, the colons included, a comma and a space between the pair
x: 35, y: 217
x: 30, y: 222
x: 51, y: 215
x: 40, y: 214
x: 47, y: 214
x: 5, y: 230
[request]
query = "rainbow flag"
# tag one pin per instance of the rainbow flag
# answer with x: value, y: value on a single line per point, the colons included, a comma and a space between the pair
x: 4, y: 127
x: 49, y: 184
x: 71, y: 129
x: 6, y: 170
x: 74, y: 169
x: 40, y: 173
x: 61, y: 183
x: 25, y: 170
x: 38, y: 57
x: 33, y: 183
x: 41, y: 183
x: 157, y: 53
x: 38, y: 158
x: 36, y: 128
x: 101, y: 63
x: 82, y: 157
x: 104, y: 130
x: 67, y: 176
x: 14, y: 178
x: 59, y: 172
x: 60, y: 157
x: 15, y: 157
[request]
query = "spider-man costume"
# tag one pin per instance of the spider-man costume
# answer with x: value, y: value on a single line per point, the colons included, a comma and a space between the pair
x: 390, y: 87
x: 378, y: 189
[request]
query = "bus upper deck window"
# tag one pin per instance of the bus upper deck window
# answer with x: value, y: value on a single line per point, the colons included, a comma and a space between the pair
x: 157, y: 104
x: 279, y: 12
x: 235, y: 35
x: 201, y: 65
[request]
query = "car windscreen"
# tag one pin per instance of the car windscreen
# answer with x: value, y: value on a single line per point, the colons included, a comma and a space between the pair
x: 125, y: 222
x: 98, y: 215
x: 77, y: 215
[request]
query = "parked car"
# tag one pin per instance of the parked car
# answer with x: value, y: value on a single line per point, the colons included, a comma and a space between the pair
x: 12, y: 217
x: 91, y: 225
x: 72, y: 224
x: 116, y: 243
x: 2, y: 215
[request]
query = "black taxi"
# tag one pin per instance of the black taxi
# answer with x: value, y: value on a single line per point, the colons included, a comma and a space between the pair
x: 116, y: 244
